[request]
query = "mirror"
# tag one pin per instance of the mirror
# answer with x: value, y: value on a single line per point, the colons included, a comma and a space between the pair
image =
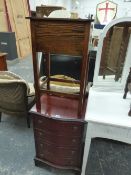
x: 113, y: 58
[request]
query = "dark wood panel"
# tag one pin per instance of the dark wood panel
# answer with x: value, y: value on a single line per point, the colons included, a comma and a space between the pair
x: 57, y: 151
x: 58, y: 127
x: 68, y: 140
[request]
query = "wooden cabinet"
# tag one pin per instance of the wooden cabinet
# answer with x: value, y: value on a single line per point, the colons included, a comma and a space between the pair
x: 3, y: 64
x: 58, y: 141
x: 58, y: 117
x: 59, y: 138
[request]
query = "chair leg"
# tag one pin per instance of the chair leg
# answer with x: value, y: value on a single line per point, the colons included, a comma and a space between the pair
x: 0, y: 116
x: 28, y: 120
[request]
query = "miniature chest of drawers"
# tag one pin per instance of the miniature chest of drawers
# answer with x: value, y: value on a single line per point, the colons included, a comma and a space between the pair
x: 58, y: 142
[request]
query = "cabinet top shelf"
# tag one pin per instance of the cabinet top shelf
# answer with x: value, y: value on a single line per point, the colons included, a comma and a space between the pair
x: 59, y: 19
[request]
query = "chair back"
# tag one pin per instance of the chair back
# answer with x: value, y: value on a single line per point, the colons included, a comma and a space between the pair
x: 13, y: 93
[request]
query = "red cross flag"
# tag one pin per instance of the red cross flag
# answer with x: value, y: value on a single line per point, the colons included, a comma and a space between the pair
x: 106, y: 11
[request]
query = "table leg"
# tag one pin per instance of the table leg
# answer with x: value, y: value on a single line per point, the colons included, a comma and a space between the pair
x: 86, y: 150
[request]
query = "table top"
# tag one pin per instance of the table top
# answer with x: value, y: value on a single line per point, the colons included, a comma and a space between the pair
x: 108, y: 108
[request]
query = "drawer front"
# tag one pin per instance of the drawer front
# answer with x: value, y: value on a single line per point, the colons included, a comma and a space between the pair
x: 61, y: 141
x: 58, y: 127
x: 58, y: 155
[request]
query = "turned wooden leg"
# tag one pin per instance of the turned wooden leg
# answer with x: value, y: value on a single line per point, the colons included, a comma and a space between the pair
x: 0, y: 116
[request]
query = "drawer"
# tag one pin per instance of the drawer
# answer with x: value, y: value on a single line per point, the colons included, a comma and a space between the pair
x: 57, y: 150
x: 58, y: 140
x: 59, y: 127
x: 58, y: 155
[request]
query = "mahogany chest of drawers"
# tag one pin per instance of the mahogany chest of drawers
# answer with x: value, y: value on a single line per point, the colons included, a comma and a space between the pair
x: 58, y: 142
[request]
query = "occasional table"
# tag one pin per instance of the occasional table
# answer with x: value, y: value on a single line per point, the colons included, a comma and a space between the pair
x: 107, y: 117
x: 3, y: 64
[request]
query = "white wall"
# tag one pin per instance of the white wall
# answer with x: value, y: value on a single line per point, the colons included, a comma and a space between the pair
x: 89, y: 6
x: 85, y: 7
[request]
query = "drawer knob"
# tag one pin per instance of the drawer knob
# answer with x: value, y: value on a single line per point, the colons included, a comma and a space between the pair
x: 74, y: 140
x: 75, y: 128
x: 41, y: 145
x: 72, y: 152
x: 40, y: 121
x: 40, y: 134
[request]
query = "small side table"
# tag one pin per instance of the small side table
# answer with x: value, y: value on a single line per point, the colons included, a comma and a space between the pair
x: 3, y: 64
x: 107, y: 118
